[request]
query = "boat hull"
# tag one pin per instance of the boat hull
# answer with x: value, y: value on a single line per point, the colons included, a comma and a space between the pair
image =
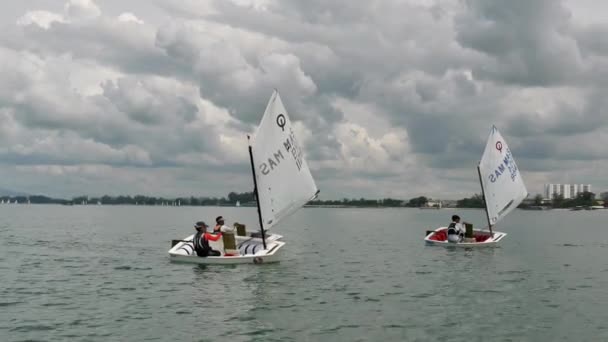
x: 250, y: 251
x: 483, y: 238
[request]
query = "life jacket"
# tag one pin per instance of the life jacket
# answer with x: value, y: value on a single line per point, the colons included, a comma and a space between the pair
x: 452, y: 229
x: 201, y: 244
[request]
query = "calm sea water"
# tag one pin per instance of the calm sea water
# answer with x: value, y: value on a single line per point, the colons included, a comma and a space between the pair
x: 102, y: 273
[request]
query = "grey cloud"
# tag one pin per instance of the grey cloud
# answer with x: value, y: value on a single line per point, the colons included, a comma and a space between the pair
x: 450, y: 126
x: 225, y: 74
x: 139, y: 112
x: 567, y: 120
x: 537, y: 149
x: 593, y: 40
x: 527, y: 42
x: 145, y: 105
x: 124, y: 45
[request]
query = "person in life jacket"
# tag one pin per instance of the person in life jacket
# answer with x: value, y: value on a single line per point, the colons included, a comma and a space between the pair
x: 201, y: 240
x: 221, y: 227
x: 455, y: 230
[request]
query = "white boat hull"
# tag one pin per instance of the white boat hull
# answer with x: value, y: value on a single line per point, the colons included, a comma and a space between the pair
x: 483, y: 238
x: 250, y: 251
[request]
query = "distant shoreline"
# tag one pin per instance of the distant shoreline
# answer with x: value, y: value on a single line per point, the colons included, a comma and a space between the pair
x: 305, y: 206
x: 247, y: 199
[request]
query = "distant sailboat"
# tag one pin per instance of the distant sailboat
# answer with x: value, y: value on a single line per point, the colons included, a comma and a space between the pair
x: 502, y: 187
x: 432, y: 205
x: 238, y: 203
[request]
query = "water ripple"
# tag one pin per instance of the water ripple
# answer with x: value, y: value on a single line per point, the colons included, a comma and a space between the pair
x: 86, y: 281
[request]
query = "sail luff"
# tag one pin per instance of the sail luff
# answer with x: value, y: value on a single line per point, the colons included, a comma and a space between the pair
x: 257, y: 196
x: 485, y: 204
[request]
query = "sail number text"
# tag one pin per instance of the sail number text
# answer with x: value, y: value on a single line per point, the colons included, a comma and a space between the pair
x: 291, y: 146
x: 507, y: 164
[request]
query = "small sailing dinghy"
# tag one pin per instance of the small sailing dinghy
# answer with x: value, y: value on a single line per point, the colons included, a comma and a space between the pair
x: 282, y: 185
x: 502, y: 188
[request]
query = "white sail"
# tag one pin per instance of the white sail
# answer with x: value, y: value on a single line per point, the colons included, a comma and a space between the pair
x: 503, y: 187
x: 283, y: 177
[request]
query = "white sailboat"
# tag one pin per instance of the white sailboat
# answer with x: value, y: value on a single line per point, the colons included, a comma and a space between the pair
x: 432, y: 205
x: 282, y: 185
x: 502, y: 187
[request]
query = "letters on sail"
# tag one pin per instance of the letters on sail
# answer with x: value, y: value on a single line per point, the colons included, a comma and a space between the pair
x: 291, y: 147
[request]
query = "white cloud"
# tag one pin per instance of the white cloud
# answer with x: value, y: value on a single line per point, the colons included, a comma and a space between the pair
x: 130, y: 18
x: 44, y: 19
x: 81, y: 10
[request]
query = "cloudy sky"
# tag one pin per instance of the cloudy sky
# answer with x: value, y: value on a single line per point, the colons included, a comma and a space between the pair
x: 391, y: 98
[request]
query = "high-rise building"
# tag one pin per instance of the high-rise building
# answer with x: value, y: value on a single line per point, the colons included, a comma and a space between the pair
x: 567, y: 191
x: 552, y: 190
x: 549, y: 191
x: 564, y: 190
x: 573, y: 190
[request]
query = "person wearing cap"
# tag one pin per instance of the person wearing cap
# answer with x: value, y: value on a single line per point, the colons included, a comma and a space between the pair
x: 220, y: 227
x: 456, y: 230
x: 201, y: 240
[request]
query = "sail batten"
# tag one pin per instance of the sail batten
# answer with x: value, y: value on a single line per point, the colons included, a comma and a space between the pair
x: 284, y: 180
x: 501, y: 180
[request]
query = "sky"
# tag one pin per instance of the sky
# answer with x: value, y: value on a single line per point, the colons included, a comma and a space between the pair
x: 389, y: 98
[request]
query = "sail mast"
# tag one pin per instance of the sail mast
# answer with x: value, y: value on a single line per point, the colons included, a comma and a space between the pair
x: 257, y: 196
x: 485, y: 204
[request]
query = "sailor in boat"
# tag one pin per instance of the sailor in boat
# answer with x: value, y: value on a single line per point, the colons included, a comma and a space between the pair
x: 201, y: 240
x: 456, y: 230
x: 220, y: 227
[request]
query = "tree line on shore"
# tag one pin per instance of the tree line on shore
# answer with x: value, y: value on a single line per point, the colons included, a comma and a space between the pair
x: 232, y: 198
x: 248, y: 199
x: 583, y: 199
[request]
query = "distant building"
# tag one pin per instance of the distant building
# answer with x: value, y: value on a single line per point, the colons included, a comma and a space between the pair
x: 567, y: 191
x: 573, y: 189
x: 552, y: 190
x: 564, y: 190
x: 549, y: 191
